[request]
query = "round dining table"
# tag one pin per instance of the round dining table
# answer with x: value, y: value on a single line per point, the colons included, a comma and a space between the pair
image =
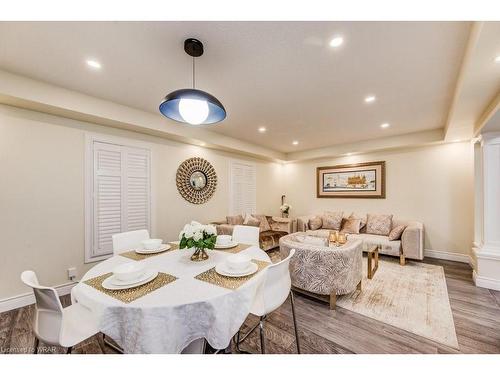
x: 171, y: 317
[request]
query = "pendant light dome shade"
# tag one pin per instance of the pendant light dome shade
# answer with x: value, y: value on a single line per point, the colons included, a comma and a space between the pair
x: 193, y: 106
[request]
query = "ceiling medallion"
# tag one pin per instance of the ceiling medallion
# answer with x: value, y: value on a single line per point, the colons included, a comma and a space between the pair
x: 192, y: 106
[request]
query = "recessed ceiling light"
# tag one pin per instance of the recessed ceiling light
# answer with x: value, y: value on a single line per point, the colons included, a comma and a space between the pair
x: 385, y: 125
x: 295, y: 143
x: 94, y: 64
x: 497, y: 59
x: 262, y: 129
x: 336, y: 42
x: 370, y: 99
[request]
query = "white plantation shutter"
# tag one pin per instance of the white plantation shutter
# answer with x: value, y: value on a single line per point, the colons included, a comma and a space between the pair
x: 137, y: 202
x: 243, y: 189
x: 121, y: 196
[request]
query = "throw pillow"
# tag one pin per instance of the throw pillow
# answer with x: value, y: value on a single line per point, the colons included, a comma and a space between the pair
x: 315, y: 223
x: 251, y: 221
x: 396, y: 232
x: 235, y: 220
x: 332, y: 220
x: 351, y: 226
x: 378, y: 224
x: 361, y: 218
x: 264, y: 224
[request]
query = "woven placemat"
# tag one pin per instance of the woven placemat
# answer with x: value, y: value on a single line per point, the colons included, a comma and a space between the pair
x: 136, y: 256
x: 131, y: 294
x: 212, y: 277
x: 236, y: 249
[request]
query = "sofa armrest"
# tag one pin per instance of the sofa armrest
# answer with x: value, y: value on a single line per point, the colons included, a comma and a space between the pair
x: 219, y: 222
x: 303, y: 223
x: 281, y: 224
x: 224, y: 228
x: 412, y: 240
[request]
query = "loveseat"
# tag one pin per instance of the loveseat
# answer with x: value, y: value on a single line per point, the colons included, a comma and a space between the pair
x: 271, y: 228
x: 396, y: 237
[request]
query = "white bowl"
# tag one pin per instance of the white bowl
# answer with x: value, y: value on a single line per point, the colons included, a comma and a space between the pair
x: 152, y: 243
x: 223, y: 239
x: 238, y: 262
x: 129, y: 271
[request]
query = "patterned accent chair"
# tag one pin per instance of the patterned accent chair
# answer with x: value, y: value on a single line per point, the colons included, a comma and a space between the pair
x: 272, y: 228
x: 320, y: 271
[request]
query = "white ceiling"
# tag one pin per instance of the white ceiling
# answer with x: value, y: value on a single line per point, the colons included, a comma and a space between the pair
x: 281, y: 75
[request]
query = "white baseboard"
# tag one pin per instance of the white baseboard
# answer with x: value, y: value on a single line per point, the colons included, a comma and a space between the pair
x: 485, y: 282
x: 26, y: 299
x: 446, y: 255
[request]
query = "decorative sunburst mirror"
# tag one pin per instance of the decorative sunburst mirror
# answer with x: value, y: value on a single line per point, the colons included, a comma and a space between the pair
x: 196, y: 180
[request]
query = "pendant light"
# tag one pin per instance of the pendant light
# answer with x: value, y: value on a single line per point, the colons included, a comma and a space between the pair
x: 192, y: 106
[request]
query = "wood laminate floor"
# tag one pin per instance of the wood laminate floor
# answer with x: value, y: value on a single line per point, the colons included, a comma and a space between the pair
x: 476, y: 313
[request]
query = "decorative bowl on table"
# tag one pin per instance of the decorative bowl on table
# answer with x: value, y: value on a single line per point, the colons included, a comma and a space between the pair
x: 129, y: 271
x: 152, y: 243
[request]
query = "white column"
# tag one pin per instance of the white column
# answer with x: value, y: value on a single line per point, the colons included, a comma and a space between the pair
x: 486, y: 248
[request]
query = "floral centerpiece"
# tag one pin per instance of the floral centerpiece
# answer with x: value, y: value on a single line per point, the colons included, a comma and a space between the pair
x: 285, y: 208
x: 198, y: 236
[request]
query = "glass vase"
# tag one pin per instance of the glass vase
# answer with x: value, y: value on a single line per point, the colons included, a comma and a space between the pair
x: 199, y: 255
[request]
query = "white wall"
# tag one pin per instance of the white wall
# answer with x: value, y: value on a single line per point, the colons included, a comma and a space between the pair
x: 42, y: 193
x: 431, y: 184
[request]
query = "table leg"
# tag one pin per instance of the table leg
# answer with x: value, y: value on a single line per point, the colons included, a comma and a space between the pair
x: 333, y: 300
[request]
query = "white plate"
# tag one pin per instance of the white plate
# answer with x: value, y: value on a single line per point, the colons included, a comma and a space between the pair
x: 228, y: 246
x: 163, y: 247
x: 224, y: 270
x: 112, y: 284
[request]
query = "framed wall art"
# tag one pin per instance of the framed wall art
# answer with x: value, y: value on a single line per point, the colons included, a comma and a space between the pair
x: 362, y: 180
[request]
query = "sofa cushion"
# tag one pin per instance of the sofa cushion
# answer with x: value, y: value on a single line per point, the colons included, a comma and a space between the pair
x: 387, y: 247
x: 315, y: 222
x: 264, y: 223
x: 251, y: 221
x: 270, y: 239
x: 332, y: 220
x: 354, y: 215
x: 396, y: 232
x: 378, y: 224
x: 224, y: 229
x: 235, y: 220
x: 351, y: 226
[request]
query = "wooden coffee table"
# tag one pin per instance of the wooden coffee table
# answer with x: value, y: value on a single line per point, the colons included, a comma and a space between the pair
x: 372, y: 253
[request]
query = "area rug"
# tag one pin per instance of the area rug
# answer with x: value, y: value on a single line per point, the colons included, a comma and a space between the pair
x: 413, y: 297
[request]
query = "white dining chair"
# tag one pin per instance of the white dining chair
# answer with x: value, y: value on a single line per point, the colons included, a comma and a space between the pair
x: 274, y: 291
x: 128, y: 240
x: 55, y: 325
x: 246, y: 234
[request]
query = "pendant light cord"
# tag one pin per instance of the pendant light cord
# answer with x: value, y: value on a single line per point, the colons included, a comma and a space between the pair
x: 193, y: 72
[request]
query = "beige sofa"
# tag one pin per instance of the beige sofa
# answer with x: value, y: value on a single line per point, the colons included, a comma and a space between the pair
x: 411, y: 244
x: 271, y: 229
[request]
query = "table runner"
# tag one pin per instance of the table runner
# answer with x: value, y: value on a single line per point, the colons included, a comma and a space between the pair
x: 211, y: 276
x: 131, y: 294
x: 136, y: 256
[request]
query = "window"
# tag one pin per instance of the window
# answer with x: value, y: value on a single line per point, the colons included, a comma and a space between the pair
x: 243, y: 188
x: 118, y: 194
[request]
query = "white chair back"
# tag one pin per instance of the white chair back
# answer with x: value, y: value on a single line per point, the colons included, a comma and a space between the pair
x: 48, y: 319
x: 276, y: 286
x: 246, y: 234
x: 128, y: 240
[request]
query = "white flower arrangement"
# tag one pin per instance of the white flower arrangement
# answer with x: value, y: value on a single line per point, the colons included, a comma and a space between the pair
x: 198, y: 236
x: 285, y: 208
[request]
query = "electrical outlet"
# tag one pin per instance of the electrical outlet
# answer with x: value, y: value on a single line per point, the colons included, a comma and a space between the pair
x: 72, y: 273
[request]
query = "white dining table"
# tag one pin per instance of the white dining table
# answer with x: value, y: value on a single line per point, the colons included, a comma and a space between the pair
x: 171, y: 317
